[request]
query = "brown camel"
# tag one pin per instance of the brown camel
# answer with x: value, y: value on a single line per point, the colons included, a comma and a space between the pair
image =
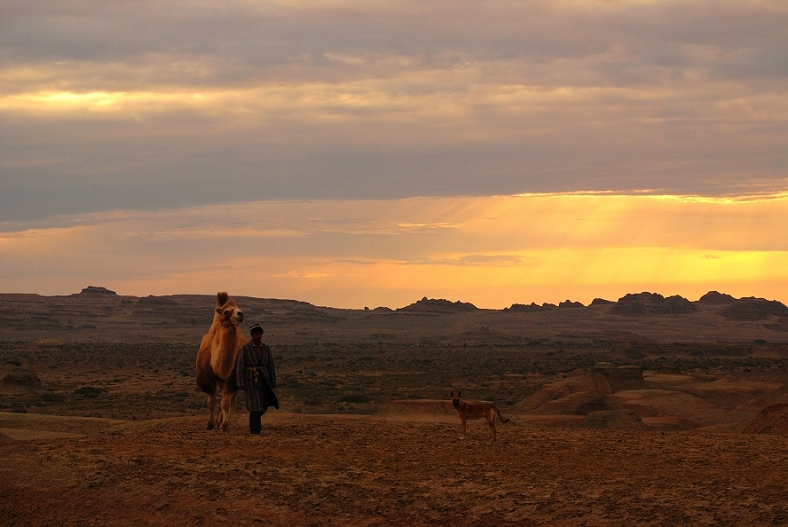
x: 216, y: 359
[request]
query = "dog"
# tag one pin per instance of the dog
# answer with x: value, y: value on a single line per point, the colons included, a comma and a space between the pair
x: 472, y: 410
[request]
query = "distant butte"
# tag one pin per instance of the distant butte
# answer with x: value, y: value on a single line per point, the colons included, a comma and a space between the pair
x: 713, y: 297
x: 436, y: 306
x: 96, y: 290
x: 652, y: 304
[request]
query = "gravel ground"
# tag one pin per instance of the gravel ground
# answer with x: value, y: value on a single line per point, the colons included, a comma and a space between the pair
x: 307, y: 470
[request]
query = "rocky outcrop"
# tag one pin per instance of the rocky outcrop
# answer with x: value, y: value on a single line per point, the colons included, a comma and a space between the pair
x: 527, y: 308
x: 601, y: 302
x: 715, y: 298
x: 569, y: 304
x: 751, y: 309
x: 652, y: 304
x: 780, y: 325
x: 438, y: 306
x: 96, y: 290
x: 621, y: 377
x: 771, y: 420
x: 22, y: 378
x: 552, y: 397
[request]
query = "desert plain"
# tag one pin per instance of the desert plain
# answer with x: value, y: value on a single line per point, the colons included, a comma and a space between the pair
x: 644, y: 410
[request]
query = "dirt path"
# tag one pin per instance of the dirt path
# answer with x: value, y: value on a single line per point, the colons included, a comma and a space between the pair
x: 345, y: 471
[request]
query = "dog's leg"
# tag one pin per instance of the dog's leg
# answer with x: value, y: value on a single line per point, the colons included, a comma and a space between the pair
x: 464, y: 422
x: 490, y: 416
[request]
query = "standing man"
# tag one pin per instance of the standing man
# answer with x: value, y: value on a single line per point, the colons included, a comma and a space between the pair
x: 255, y: 373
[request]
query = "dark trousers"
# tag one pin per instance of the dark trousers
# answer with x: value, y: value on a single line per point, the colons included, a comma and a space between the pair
x: 255, y: 422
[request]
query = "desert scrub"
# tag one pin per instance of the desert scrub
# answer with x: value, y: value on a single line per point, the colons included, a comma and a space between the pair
x: 89, y: 391
x: 354, y: 398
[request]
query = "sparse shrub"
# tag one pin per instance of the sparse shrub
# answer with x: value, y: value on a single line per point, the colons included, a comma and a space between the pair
x: 353, y: 398
x: 88, y: 391
x: 52, y: 398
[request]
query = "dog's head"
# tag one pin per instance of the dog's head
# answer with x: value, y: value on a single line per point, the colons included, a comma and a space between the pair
x: 455, y: 399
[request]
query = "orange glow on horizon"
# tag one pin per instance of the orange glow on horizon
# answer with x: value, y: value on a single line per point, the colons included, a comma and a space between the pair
x: 491, y: 251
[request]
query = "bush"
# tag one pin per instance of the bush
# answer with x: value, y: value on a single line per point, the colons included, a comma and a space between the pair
x: 88, y: 391
x: 52, y: 398
x: 353, y: 398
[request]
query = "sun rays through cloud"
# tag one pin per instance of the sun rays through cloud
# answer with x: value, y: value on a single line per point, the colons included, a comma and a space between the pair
x: 492, y: 251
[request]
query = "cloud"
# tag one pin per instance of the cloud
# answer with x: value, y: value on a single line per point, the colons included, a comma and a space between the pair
x: 165, y: 104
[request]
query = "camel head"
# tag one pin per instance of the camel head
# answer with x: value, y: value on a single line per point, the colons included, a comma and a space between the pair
x: 227, y: 310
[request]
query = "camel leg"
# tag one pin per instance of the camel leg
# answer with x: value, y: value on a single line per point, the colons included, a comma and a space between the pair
x: 211, y: 408
x: 228, y: 403
x: 209, y: 388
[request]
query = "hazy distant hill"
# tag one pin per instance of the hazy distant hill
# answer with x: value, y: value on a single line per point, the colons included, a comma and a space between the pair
x: 101, y: 314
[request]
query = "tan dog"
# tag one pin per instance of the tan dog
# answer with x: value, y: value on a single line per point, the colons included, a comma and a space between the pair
x: 472, y: 410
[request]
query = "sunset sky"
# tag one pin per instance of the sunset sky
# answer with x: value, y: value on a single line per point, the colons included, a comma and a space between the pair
x: 360, y: 153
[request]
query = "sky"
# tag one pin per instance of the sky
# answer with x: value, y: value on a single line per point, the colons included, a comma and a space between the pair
x: 365, y: 153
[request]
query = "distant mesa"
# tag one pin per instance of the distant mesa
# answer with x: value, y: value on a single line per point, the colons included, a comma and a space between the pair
x: 601, y: 302
x: 568, y: 304
x: 652, y: 304
x: 713, y: 297
x: 751, y: 308
x: 96, y: 290
x: 438, y: 306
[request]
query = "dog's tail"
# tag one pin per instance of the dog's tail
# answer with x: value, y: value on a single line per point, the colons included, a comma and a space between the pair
x: 498, y: 413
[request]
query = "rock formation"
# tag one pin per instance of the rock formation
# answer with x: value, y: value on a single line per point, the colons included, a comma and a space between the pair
x: 96, y: 290
x: 527, y: 308
x: 437, y: 306
x: 713, y: 297
x: 751, y: 308
x: 652, y: 304
x: 22, y: 378
x: 771, y: 420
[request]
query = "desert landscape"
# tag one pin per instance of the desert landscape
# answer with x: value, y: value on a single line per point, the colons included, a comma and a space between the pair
x: 645, y: 410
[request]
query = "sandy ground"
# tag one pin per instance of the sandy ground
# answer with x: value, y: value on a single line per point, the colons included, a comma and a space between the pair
x: 362, y: 471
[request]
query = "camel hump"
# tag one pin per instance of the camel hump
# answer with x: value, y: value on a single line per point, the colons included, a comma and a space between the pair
x: 222, y: 298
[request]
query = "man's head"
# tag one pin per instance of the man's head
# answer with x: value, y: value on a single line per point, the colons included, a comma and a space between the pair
x: 256, y: 331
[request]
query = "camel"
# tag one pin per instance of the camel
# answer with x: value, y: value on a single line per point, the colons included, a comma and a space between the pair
x: 216, y: 359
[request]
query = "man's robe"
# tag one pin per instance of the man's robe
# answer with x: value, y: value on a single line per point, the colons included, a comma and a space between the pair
x: 257, y: 376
